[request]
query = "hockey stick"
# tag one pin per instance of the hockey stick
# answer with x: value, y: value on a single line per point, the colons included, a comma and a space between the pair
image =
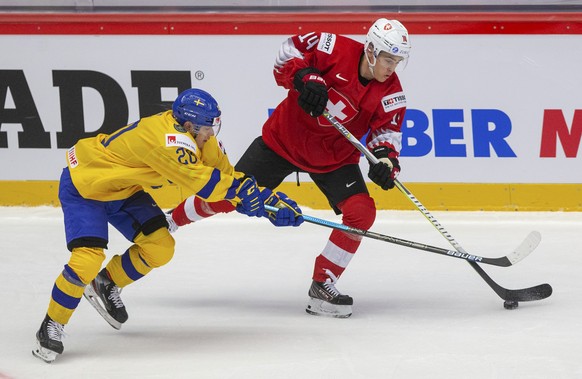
x: 538, y: 292
x: 522, y: 251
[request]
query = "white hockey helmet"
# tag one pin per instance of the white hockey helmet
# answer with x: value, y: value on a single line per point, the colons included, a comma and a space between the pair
x: 389, y: 36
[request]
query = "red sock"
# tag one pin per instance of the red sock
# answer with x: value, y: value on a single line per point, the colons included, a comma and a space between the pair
x: 193, y: 209
x: 359, y: 212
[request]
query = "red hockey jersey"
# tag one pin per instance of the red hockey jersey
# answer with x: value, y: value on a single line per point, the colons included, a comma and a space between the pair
x: 313, y: 144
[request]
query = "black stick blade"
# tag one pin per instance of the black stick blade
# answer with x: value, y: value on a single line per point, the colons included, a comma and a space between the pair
x: 539, y: 292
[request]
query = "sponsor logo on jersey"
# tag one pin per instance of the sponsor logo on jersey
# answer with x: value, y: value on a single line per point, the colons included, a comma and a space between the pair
x: 180, y: 140
x: 394, y: 101
x: 339, y: 107
x: 72, y: 157
x: 326, y: 43
x: 339, y: 76
x: 179, y: 128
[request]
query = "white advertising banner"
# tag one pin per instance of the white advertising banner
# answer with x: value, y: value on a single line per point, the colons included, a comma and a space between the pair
x: 481, y: 108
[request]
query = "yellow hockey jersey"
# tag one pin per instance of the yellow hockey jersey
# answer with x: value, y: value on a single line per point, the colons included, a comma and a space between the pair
x: 151, y: 152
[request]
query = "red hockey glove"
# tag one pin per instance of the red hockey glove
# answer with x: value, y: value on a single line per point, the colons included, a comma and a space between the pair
x: 384, y: 172
x: 312, y: 91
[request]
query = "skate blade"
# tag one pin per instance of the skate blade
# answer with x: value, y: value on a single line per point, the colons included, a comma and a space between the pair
x: 319, y: 307
x: 93, y: 299
x: 45, y: 354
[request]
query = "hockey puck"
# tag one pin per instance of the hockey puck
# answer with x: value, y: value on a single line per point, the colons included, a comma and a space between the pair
x: 510, y: 304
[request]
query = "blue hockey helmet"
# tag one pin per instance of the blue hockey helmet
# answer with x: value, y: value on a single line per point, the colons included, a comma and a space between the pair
x: 198, y: 107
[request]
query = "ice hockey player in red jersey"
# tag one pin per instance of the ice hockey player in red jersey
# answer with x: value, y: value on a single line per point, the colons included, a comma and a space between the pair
x: 358, y: 85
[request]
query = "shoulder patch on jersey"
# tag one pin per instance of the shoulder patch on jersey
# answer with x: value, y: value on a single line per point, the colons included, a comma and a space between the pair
x: 326, y: 43
x: 394, y: 101
x: 180, y: 140
x: 72, y: 157
x: 179, y: 128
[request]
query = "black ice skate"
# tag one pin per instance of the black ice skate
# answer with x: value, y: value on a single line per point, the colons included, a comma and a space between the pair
x: 48, y: 340
x: 326, y: 300
x: 103, y: 295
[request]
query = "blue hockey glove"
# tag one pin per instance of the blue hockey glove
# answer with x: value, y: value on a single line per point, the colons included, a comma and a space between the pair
x: 251, y: 203
x: 289, y: 213
x: 384, y: 172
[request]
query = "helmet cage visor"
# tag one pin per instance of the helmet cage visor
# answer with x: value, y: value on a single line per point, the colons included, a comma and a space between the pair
x: 386, y: 60
x: 214, y: 122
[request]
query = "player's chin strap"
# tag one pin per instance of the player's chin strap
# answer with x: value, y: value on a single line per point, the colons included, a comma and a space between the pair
x: 502, y: 292
x: 370, y: 64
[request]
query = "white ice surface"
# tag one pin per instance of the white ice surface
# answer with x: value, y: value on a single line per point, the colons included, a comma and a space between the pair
x: 231, y: 303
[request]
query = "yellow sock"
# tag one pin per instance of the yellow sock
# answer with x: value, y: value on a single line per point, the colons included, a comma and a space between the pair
x: 82, y: 268
x: 65, y: 297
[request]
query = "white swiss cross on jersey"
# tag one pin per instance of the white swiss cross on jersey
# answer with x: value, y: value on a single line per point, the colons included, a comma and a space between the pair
x: 339, y: 107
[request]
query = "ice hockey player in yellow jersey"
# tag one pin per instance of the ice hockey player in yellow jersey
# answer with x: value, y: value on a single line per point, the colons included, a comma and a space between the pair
x: 104, y: 183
